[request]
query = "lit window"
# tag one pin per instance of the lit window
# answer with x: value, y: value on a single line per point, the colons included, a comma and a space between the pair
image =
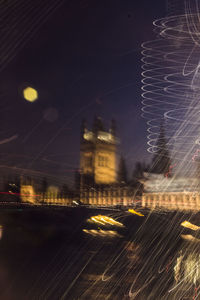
x: 102, y: 161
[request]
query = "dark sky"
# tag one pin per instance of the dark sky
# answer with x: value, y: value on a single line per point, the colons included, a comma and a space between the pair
x: 84, y: 58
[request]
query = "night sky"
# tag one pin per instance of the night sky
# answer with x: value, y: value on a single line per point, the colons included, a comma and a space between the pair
x: 83, y: 58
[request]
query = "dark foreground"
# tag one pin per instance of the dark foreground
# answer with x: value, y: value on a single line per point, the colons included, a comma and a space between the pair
x: 57, y: 254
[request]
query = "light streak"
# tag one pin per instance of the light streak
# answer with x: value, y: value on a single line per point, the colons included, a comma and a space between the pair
x: 157, y: 237
x: 19, y: 194
x: 135, y: 212
x: 70, y: 286
x: 1, y: 231
x: 102, y: 233
x: 186, y: 270
x: 195, y: 155
x: 25, y: 27
x: 170, y: 170
x: 133, y: 295
x: 10, y: 139
x: 171, y: 80
x: 97, y: 221
x: 189, y: 225
x: 168, y: 265
x: 104, y: 220
x: 189, y: 237
x: 195, y: 293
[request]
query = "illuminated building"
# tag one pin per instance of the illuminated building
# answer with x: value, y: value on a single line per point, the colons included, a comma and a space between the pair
x: 173, y: 193
x: 31, y: 193
x: 98, y: 166
x: 27, y: 193
x: 98, y: 154
x: 99, y: 184
x: 107, y: 196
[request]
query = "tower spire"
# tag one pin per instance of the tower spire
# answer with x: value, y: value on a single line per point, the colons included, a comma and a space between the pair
x: 113, y: 127
x: 83, y: 129
x: 97, y: 125
x: 161, y: 160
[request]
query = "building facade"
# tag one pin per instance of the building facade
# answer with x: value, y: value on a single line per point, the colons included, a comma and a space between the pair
x: 98, y: 173
x: 98, y: 158
x: 172, y: 193
x: 108, y: 196
x: 98, y: 166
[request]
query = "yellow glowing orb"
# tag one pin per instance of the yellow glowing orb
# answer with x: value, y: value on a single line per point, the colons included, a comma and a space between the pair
x: 30, y: 94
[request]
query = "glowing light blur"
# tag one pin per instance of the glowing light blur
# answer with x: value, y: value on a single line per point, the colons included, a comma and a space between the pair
x: 1, y: 231
x: 189, y: 225
x: 30, y: 94
x: 171, y: 70
x: 102, y: 233
x: 135, y: 212
x: 104, y: 220
x: 189, y: 237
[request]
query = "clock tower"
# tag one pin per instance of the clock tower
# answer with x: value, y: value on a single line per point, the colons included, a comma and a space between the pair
x: 98, y: 154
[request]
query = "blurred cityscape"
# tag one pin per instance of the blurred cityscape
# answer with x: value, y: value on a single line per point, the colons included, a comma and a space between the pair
x: 84, y: 213
x: 102, y: 179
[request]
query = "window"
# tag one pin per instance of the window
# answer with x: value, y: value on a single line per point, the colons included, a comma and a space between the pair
x: 102, y: 161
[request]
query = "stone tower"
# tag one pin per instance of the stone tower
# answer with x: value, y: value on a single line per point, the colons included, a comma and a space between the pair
x: 27, y: 192
x: 98, y: 154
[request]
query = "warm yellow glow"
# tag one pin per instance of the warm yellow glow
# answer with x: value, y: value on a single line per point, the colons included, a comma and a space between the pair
x: 189, y: 225
x: 105, y: 136
x: 1, y: 231
x: 89, y: 136
x: 135, y: 212
x: 27, y: 193
x: 30, y: 94
x: 189, y: 237
x: 105, y: 171
x: 104, y: 220
x: 96, y: 220
x: 102, y: 233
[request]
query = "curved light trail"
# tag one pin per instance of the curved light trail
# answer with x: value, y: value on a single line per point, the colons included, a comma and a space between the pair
x: 171, y: 86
